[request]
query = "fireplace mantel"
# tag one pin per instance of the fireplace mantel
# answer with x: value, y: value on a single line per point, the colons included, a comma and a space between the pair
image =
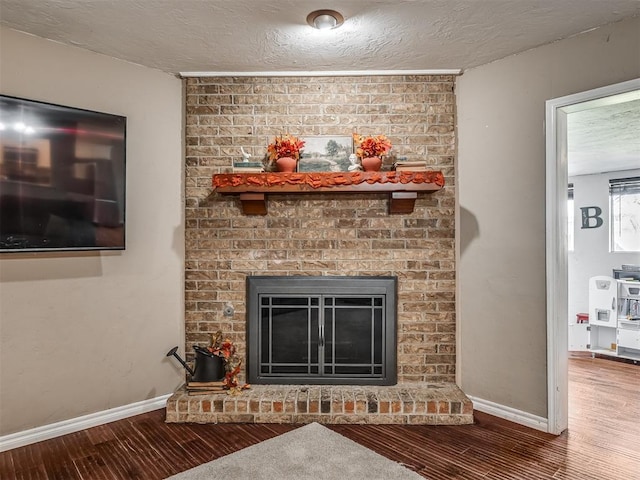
x: 402, y: 187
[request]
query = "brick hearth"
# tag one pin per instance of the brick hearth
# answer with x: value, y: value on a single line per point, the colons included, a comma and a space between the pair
x: 426, y: 404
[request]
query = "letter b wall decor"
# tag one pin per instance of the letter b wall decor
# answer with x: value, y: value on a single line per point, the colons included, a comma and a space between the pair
x: 591, y: 217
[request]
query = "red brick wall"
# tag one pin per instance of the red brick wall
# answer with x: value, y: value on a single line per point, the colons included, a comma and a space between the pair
x: 323, y: 234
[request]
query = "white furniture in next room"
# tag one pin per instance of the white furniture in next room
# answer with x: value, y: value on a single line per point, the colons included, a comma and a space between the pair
x: 614, y: 319
x: 629, y: 318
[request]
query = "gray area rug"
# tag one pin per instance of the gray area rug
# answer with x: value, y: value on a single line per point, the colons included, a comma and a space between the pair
x: 309, y: 452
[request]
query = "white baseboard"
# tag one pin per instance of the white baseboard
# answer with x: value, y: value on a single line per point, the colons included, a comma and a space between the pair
x: 38, y: 434
x: 511, y: 414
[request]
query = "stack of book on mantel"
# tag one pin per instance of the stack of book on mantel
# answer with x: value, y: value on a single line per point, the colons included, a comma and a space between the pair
x: 248, y: 167
x: 205, y: 388
x: 416, y: 166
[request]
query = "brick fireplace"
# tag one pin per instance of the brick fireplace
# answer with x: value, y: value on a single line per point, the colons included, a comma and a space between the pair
x: 324, y: 234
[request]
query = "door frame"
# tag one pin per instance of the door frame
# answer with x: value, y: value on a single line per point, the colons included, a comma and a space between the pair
x: 556, y: 244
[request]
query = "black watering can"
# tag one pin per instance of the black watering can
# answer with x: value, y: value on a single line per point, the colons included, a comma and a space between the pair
x: 207, y: 367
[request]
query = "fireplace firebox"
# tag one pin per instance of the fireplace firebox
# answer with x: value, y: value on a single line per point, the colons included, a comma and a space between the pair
x: 321, y: 330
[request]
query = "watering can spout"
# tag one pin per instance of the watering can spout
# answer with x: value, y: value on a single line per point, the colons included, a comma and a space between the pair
x: 173, y: 353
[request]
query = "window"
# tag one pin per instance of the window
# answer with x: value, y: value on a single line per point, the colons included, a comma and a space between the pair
x: 570, y: 216
x: 624, y: 198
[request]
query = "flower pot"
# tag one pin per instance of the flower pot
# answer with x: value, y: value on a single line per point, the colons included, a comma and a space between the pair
x: 286, y: 164
x: 371, y: 164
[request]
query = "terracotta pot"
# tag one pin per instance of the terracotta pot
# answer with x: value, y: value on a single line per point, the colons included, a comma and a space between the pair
x: 286, y: 164
x: 371, y: 164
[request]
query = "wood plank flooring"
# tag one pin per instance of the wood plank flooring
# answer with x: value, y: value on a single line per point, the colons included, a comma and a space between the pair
x: 603, y: 441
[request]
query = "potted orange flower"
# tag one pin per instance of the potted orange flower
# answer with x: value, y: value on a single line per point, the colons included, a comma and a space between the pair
x: 370, y: 149
x: 285, y: 152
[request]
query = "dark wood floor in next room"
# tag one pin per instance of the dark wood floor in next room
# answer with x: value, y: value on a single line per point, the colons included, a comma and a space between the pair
x: 603, y: 441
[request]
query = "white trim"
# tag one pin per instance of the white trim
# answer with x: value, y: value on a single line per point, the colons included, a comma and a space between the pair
x: 38, y: 434
x: 556, y: 248
x: 508, y: 413
x: 338, y: 73
x: 556, y: 269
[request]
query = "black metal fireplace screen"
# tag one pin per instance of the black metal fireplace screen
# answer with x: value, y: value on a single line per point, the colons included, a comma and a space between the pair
x: 321, y: 330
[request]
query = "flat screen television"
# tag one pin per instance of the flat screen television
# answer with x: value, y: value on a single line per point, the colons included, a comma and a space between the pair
x: 62, y: 178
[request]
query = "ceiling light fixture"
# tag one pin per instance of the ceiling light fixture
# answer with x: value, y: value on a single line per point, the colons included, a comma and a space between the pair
x: 325, y: 19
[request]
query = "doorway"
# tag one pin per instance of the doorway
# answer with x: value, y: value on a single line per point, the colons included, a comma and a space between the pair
x: 557, y: 152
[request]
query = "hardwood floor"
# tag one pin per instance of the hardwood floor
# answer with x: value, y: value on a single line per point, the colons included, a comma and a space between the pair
x: 603, y: 441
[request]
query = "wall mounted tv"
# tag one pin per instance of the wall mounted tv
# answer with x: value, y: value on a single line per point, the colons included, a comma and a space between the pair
x: 62, y: 178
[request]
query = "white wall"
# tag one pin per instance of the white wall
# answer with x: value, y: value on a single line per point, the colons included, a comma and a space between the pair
x: 501, y: 174
x: 85, y: 332
x: 591, y: 255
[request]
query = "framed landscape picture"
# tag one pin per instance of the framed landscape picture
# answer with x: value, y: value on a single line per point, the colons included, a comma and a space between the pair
x: 326, y: 154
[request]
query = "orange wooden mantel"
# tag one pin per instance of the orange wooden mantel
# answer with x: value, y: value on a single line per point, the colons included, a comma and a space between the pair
x: 402, y: 187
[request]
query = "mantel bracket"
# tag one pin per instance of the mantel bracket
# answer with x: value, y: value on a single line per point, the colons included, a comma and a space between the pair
x: 253, y: 203
x: 402, y: 202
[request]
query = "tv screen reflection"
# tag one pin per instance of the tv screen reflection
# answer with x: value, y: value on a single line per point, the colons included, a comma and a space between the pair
x: 62, y: 177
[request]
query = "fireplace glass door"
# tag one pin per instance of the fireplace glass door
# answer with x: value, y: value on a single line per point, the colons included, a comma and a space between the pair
x: 322, y: 336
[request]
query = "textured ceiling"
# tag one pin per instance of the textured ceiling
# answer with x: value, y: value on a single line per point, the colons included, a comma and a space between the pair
x: 235, y: 36
x: 272, y: 35
x: 606, y: 137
